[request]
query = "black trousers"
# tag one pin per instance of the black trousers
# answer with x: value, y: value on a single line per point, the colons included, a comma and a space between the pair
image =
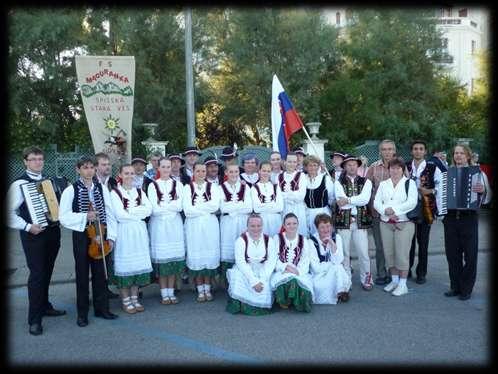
x: 422, y: 231
x: 460, y: 242
x: 41, y: 251
x: 82, y: 264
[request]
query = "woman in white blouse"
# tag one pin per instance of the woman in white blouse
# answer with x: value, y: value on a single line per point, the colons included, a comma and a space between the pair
x: 167, y: 247
x: 392, y: 202
x: 201, y: 200
x: 291, y: 280
x: 132, y: 265
x: 267, y: 201
x: 331, y: 282
x: 249, y: 288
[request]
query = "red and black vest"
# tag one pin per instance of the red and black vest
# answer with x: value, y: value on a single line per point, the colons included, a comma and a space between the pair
x: 363, y: 214
x: 294, y: 183
x: 282, y: 249
x: 246, y: 241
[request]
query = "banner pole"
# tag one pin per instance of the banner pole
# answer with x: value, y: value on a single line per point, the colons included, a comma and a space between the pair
x: 313, y: 145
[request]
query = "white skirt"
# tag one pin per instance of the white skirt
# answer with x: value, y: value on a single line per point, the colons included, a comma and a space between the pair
x: 131, y: 253
x: 240, y: 289
x: 167, y: 242
x: 328, y: 284
x: 272, y: 223
x: 202, y: 235
x: 231, y: 228
x: 311, y: 213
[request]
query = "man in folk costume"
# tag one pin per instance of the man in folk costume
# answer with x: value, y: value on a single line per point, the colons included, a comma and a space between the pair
x: 235, y: 206
x: 167, y: 246
x: 213, y: 170
x: 378, y: 172
x: 251, y: 165
x: 201, y: 200
x: 249, y: 290
x: 428, y: 178
x: 331, y: 282
x: 139, y: 164
x: 292, y: 280
x: 337, y: 159
x: 40, y: 244
x: 320, y: 194
x: 132, y: 265
x: 176, y: 164
x: 293, y: 185
x: 299, y: 151
x: 267, y: 200
x: 276, y: 166
x: 83, y: 203
x: 353, y: 217
x: 191, y: 155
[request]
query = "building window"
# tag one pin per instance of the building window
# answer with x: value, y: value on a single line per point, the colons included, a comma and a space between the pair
x: 444, y: 42
x: 446, y: 12
x: 338, y: 18
x: 462, y: 12
x: 473, y: 47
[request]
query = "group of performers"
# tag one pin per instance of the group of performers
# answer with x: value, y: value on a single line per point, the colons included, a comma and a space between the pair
x: 272, y: 232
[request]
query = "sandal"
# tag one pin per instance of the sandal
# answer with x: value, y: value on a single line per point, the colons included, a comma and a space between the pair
x: 166, y: 300
x: 209, y: 296
x: 173, y: 299
x: 139, y: 307
x: 201, y: 297
x: 128, y: 306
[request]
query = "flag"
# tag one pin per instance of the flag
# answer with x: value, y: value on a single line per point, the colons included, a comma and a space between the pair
x: 284, y: 119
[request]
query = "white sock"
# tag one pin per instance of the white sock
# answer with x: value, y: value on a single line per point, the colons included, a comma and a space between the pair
x: 207, y: 288
x: 171, y: 291
x: 402, y: 281
x: 395, y: 279
x: 164, y: 292
x: 200, y: 288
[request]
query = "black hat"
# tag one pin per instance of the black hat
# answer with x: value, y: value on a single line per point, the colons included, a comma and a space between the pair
x: 191, y: 150
x: 299, y: 150
x: 210, y: 160
x: 228, y: 153
x: 350, y: 158
x: 176, y: 156
x: 338, y: 153
x: 138, y: 159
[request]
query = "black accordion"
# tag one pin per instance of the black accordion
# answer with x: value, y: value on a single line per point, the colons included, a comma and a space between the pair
x: 457, y: 188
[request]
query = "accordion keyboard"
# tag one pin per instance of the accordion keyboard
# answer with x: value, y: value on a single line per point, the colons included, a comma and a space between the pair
x: 36, y: 204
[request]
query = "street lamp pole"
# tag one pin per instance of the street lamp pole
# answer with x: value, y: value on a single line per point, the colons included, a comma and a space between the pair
x: 189, y: 78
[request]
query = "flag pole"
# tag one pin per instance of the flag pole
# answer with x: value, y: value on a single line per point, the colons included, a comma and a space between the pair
x: 316, y: 152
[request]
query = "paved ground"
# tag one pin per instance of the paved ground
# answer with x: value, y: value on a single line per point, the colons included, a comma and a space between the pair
x: 373, y: 328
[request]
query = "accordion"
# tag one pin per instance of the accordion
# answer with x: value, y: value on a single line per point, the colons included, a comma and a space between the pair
x: 42, y: 199
x: 457, y: 188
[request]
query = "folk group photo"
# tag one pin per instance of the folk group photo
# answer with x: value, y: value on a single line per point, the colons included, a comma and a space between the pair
x: 222, y: 157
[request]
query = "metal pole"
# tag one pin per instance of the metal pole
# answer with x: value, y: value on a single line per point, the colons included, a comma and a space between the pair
x: 313, y: 145
x: 189, y: 78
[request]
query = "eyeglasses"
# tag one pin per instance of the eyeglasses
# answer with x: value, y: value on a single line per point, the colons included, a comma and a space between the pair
x: 35, y: 159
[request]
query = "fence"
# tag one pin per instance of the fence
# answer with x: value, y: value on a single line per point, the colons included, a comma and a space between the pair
x: 63, y: 164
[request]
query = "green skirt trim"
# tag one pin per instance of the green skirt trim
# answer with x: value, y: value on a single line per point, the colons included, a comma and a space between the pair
x: 224, y: 266
x: 202, y: 273
x: 131, y: 280
x: 170, y: 268
x: 291, y: 293
x: 236, y: 306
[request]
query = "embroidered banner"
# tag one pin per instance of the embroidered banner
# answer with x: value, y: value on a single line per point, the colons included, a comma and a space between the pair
x: 107, y: 86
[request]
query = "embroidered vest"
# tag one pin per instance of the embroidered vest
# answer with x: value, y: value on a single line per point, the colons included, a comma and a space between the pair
x: 363, y: 214
x: 126, y: 201
x: 318, y: 197
x: 206, y: 194
x: 81, y: 200
x: 294, y: 183
x: 246, y: 241
x: 282, y: 249
x: 228, y: 195
x: 273, y: 197
x: 317, y: 246
x: 172, y: 194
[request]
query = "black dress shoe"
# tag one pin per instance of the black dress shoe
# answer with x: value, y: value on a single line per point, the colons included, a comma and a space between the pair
x: 380, y: 281
x: 410, y: 274
x: 111, y: 295
x: 464, y: 296
x: 82, y: 321
x: 54, y: 313
x: 105, y: 315
x: 451, y: 293
x: 420, y: 280
x: 35, y: 329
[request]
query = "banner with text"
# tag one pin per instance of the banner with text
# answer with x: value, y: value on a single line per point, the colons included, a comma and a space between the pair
x: 107, y: 85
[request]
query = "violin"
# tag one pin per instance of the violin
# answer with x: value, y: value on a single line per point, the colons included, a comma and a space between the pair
x: 98, y: 247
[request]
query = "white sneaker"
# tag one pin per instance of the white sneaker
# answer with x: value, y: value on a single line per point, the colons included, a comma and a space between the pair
x: 400, y: 290
x: 391, y: 286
